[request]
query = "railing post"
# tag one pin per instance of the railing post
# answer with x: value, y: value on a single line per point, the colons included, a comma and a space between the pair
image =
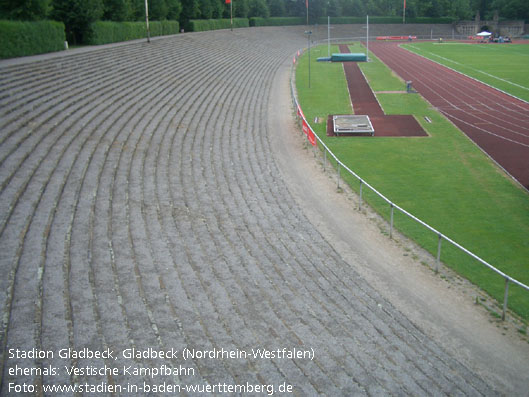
x: 324, y: 159
x: 360, y: 202
x: 391, y: 222
x: 438, y: 253
x: 505, y: 297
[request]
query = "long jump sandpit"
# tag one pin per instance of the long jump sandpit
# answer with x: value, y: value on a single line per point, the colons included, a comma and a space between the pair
x: 365, y: 103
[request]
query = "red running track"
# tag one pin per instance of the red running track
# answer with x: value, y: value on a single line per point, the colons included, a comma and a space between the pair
x: 496, y: 122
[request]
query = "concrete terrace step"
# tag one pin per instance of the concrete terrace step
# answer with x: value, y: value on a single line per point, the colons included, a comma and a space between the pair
x: 142, y: 208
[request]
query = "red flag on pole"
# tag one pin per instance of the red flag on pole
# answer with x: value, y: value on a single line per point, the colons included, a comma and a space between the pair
x: 228, y: 1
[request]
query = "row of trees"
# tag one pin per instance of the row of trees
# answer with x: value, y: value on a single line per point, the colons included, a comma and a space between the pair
x: 77, y: 15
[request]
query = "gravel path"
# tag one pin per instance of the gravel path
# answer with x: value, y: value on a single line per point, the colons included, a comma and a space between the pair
x: 141, y: 207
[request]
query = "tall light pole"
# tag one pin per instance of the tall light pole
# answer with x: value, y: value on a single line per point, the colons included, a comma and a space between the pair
x: 147, y: 21
x: 328, y: 35
x: 367, y: 38
x: 308, y: 33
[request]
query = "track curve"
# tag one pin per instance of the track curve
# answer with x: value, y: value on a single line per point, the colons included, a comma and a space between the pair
x: 141, y: 207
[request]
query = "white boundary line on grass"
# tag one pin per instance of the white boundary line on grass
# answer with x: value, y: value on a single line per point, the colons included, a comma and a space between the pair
x: 470, y: 67
x: 470, y: 77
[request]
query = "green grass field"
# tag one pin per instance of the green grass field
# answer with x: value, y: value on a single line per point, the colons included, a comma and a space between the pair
x: 504, y: 66
x: 443, y: 179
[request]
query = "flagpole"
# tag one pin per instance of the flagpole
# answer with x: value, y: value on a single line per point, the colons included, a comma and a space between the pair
x: 147, y: 21
x: 231, y: 15
x: 307, y: 7
x: 404, y: 13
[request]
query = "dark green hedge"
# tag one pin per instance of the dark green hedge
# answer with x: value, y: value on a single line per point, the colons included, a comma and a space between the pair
x: 104, y: 32
x: 29, y: 38
x: 277, y: 21
x: 385, y: 20
x: 431, y: 21
x: 201, y: 25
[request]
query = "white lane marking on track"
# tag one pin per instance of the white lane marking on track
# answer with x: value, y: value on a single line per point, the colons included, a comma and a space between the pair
x: 476, y: 70
x: 449, y: 115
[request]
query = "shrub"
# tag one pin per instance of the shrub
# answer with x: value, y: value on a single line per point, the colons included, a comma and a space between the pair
x: 77, y: 16
x: 170, y: 27
x: 277, y: 21
x: 201, y: 25
x: 427, y: 20
x: 104, y: 32
x: 29, y: 38
x: 359, y: 20
x: 385, y: 20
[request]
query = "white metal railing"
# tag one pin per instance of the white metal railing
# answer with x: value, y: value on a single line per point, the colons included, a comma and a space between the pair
x: 393, y: 206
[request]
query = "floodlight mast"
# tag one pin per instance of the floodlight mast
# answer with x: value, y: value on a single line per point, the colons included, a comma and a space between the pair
x: 328, y: 35
x: 367, y: 38
x: 308, y: 33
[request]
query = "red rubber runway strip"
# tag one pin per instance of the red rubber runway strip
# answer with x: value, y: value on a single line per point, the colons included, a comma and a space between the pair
x: 496, y: 122
x: 365, y: 102
x: 362, y: 97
